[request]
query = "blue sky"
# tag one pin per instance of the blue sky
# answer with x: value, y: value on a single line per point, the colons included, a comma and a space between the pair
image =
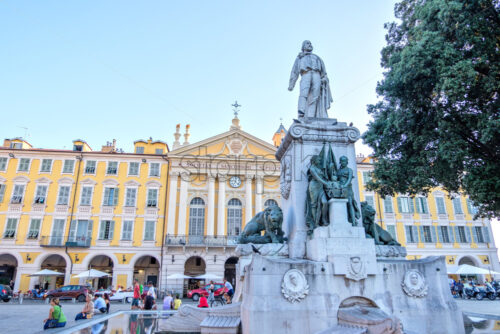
x: 99, y: 70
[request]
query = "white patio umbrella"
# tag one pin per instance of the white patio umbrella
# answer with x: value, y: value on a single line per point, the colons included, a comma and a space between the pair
x: 209, y: 276
x: 47, y: 272
x: 466, y: 269
x: 91, y: 273
x: 178, y: 276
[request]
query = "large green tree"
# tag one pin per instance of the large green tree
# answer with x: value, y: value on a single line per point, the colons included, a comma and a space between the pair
x: 437, y: 122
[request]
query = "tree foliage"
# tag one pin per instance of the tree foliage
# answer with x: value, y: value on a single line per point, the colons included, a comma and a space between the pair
x: 437, y: 123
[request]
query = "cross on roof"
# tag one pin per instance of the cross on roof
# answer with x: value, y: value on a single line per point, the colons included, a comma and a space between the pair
x: 236, y: 106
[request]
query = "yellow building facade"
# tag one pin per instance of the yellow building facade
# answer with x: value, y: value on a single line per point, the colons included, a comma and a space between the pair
x: 157, y: 212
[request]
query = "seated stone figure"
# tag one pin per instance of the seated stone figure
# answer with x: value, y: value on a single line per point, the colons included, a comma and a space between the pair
x: 372, y: 230
x: 270, y: 221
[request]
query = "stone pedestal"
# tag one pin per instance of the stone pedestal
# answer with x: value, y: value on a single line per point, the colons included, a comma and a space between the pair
x: 302, y: 141
x: 342, y: 244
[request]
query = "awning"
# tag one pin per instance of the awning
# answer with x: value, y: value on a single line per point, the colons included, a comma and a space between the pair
x: 467, y: 269
x: 47, y: 272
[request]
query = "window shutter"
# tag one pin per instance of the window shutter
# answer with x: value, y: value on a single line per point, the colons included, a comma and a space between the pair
x: 440, y: 205
x: 411, y: 205
x: 115, y: 197
x: 433, y: 233
x: 399, y: 205
x: 388, y: 204
x: 72, y: 230
x: 486, y: 234
x: 111, y: 229
x: 467, y: 234
x: 102, y: 229
x: 440, y: 234
x: 408, y: 234
x: 474, y: 234
x: 392, y: 231
x: 106, y: 196
x: 89, y: 232
x: 419, y: 205
x: 421, y: 230
x: 457, y: 235
x: 425, y: 207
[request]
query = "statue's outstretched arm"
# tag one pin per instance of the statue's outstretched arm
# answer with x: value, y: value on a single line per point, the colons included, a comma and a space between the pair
x: 294, y: 75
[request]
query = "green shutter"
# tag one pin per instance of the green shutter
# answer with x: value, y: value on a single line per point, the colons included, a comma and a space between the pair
x: 411, y: 205
x: 440, y: 234
x: 467, y: 234
x: 421, y: 230
x: 433, y: 233
x: 72, y: 230
x: 115, y: 198
x: 102, y: 229
x: 399, y: 205
x: 457, y: 235
x: 111, y: 229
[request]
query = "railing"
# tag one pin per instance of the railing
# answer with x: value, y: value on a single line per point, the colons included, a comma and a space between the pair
x: 65, y: 241
x: 202, y: 240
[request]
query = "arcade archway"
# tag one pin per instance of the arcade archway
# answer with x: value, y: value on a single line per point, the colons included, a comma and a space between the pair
x: 230, y: 270
x: 194, y: 266
x: 105, y: 264
x: 8, y: 268
x: 147, y: 269
x: 53, y: 262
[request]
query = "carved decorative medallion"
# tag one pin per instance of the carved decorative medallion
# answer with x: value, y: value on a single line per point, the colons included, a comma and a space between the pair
x: 294, y: 286
x: 356, y: 269
x: 286, y: 178
x: 414, y: 284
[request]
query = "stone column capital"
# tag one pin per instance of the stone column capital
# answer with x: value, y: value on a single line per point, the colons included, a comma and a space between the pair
x: 222, y: 177
x: 211, y: 178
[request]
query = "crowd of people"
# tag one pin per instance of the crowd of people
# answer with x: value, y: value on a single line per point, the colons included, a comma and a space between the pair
x: 458, y: 287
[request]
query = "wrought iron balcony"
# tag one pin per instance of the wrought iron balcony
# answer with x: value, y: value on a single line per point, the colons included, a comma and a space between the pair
x: 201, y: 240
x: 65, y: 241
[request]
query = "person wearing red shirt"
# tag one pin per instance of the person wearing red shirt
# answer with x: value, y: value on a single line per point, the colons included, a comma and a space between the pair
x: 203, y: 302
x: 137, y: 295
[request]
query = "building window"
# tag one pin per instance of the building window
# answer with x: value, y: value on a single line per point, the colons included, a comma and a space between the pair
x: 139, y: 149
x: 422, y: 205
x: 24, y: 165
x: 462, y: 233
x: 112, y: 168
x: 57, y: 232
x: 130, y: 196
x: 80, y: 232
x: 34, y: 228
x: 90, y: 166
x: 441, y: 208
x: 110, y: 196
x: 411, y: 234
x: 471, y: 208
x: 152, y: 201
x: 197, y: 216
x: 159, y: 151
x: 478, y: 234
x: 17, y: 194
x: 63, y: 197
x: 149, y: 230
x: 3, y: 164
x: 388, y: 205
x: 234, y: 217
x: 427, y: 234
x: 457, y: 206
x: 10, y: 228
x: 46, y: 166
x: 405, y: 205
x: 86, y: 198
x: 128, y: 226
x: 69, y: 166
x: 2, y: 192
x: 270, y: 202
x: 41, y: 194
x: 17, y: 146
x: 133, y: 168
x: 392, y: 231
x: 370, y: 201
x: 154, y: 169
x: 367, y: 177
x: 444, y: 235
x: 106, y: 230
x: 78, y: 148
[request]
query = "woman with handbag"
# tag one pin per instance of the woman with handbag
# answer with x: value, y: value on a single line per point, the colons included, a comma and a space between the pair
x: 56, y: 315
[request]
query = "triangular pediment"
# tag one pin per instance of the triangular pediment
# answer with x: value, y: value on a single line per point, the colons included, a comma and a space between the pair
x: 232, y: 143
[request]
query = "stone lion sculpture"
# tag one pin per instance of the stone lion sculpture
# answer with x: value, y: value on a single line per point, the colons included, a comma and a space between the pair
x: 372, y: 230
x: 270, y: 221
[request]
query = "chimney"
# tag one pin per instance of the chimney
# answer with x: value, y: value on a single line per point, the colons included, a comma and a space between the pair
x: 109, y: 147
x: 186, y: 135
x: 177, y: 135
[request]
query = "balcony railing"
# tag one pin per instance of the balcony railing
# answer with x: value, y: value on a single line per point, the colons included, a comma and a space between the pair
x: 63, y: 241
x: 202, y: 240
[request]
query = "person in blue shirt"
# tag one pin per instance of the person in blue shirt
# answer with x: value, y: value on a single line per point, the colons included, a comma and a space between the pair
x: 100, y: 304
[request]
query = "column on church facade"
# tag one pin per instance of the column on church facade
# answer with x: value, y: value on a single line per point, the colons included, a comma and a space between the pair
x: 172, y: 203
x: 221, y: 206
x: 183, y: 204
x: 211, y: 206
x: 259, y: 186
x: 248, y: 198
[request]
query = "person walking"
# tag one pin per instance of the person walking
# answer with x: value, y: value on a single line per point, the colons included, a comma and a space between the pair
x: 152, y: 289
x: 137, y: 295
x: 149, y: 301
x: 100, y: 304
x: 168, y: 302
x: 177, y: 302
x: 460, y: 287
x: 56, y: 315
x: 88, y: 309
x: 107, y: 301
x: 211, y: 292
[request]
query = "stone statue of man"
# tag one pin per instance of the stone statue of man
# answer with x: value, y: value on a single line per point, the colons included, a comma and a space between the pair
x: 315, y: 96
